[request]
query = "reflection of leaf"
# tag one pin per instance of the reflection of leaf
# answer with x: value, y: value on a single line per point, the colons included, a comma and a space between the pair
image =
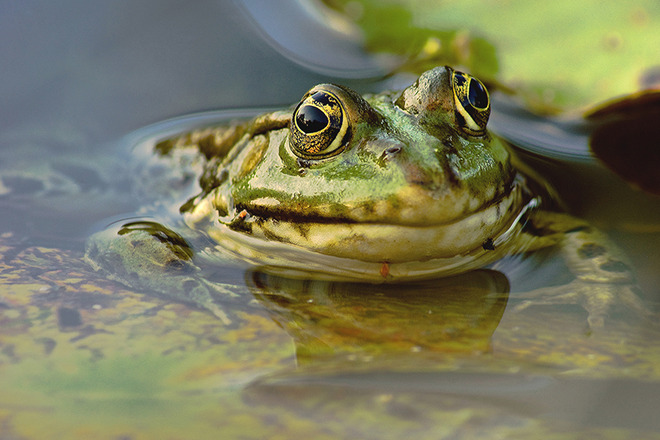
x: 389, y: 28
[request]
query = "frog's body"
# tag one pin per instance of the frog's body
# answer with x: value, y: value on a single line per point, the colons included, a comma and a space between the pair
x: 385, y: 188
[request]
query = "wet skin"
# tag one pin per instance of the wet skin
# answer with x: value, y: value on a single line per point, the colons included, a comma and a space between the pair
x: 391, y: 187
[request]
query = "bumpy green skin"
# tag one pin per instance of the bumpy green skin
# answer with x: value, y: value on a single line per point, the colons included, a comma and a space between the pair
x: 411, y: 192
x: 419, y: 165
x: 393, y: 159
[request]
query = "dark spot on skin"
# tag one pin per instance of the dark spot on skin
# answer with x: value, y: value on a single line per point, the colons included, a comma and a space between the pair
x: 271, y: 236
x: 164, y: 147
x: 188, y: 205
x: 240, y: 223
x: 207, y: 145
x: 446, y: 157
x: 450, y: 173
x: 302, y: 228
x: 368, y: 206
x: 449, y: 143
x: 614, y: 266
x: 591, y: 250
x: 257, y: 280
x: 303, y: 163
x: 222, y: 211
x: 416, y: 175
x: 213, y: 176
x: 488, y: 245
x: 394, y: 202
x: 67, y: 317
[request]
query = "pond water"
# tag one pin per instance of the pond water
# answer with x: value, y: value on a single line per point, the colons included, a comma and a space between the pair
x: 82, y: 356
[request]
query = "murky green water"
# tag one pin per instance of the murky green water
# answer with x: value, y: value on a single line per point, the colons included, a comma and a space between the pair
x: 84, y: 357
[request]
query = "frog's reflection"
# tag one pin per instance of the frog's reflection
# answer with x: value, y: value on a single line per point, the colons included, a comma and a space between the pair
x: 457, y: 314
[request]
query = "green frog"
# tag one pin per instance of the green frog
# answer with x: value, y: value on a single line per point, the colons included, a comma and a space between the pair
x: 384, y: 188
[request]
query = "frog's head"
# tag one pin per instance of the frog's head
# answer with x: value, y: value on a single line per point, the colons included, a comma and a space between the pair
x: 393, y: 177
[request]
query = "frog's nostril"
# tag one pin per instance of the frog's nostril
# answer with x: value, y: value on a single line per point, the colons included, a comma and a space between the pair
x: 390, y: 152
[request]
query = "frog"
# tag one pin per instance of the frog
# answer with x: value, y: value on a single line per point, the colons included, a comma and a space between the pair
x: 390, y: 187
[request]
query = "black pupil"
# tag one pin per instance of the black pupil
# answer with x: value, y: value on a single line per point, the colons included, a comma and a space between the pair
x: 478, y: 95
x: 311, y: 119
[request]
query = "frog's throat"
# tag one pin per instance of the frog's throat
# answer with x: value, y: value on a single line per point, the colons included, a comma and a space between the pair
x: 377, y: 252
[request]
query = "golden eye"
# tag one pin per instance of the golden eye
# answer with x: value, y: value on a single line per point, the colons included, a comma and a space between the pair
x: 319, y: 127
x: 472, y: 103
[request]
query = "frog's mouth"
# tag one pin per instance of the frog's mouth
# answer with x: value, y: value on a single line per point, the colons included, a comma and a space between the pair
x: 380, y: 241
x: 334, y: 249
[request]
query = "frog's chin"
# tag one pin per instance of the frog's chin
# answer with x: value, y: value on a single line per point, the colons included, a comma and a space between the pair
x: 293, y: 261
x: 375, y: 252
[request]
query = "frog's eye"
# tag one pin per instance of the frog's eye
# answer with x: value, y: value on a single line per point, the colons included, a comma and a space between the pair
x: 472, y: 103
x: 319, y: 127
